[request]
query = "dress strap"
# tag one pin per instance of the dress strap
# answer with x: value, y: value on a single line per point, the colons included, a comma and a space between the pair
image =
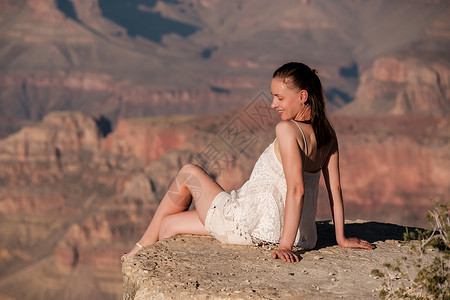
x: 304, y: 138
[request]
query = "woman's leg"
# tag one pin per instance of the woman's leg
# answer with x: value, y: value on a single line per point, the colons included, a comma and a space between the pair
x: 183, y: 222
x: 191, y: 183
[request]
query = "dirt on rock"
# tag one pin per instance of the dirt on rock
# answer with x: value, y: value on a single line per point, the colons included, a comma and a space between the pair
x: 200, y: 267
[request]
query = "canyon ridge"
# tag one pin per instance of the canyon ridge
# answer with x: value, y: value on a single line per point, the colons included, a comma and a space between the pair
x: 97, y: 115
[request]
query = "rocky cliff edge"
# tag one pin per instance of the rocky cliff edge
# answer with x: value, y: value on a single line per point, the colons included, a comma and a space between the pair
x: 201, y: 268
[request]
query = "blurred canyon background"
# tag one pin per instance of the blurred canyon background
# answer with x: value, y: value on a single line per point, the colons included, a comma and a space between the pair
x: 102, y: 101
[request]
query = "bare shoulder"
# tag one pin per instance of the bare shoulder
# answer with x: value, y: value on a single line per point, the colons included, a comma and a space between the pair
x: 285, y: 128
x: 288, y: 134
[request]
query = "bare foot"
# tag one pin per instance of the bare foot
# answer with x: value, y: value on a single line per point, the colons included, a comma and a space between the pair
x: 133, y: 251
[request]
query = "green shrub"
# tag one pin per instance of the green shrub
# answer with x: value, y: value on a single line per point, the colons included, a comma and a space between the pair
x: 432, y: 280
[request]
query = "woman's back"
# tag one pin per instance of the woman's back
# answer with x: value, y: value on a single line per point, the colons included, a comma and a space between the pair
x: 313, y: 157
x: 259, y: 205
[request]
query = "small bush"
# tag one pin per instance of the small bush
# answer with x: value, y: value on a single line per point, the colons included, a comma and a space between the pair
x: 432, y: 280
x: 377, y: 273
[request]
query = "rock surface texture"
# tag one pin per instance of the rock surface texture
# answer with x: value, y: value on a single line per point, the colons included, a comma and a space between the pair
x: 403, y: 84
x: 202, y: 268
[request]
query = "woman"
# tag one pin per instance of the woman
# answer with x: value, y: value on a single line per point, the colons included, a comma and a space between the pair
x: 278, y: 203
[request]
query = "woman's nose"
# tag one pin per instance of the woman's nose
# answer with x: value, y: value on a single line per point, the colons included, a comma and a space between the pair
x: 273, y: 105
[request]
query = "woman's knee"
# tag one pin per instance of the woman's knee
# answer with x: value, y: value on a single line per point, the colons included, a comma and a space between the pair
x: 191, y: 175
x: 190, y: 169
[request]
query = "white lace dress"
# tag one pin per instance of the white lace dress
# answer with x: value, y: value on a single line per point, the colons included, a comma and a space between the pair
x: 254, y: 213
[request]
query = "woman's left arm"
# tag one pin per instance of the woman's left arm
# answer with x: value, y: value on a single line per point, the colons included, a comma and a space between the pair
x: 331, y: 175
x: 293, y: 170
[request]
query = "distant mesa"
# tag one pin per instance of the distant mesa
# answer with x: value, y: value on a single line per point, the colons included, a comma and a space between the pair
x: 137, y: 22
x: 404, y: 83
x: 106, y: 56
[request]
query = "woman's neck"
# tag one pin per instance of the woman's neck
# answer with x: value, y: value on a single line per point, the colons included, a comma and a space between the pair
x: 304, y: 115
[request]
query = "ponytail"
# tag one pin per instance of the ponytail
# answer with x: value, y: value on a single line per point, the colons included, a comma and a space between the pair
x: 299, y: 75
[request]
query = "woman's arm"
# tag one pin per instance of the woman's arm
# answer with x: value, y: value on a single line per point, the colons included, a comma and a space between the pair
x: 293, y: 170
x: 331, y: 175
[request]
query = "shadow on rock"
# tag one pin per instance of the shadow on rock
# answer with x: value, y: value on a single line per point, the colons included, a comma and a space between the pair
x: 369, y: 231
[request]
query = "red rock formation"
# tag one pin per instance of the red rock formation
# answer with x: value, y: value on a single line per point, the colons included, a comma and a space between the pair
x: 120, y: 99
x: 68, y: 194
x: 92, y: 201
x: 134, y: 138
x: 103, y: 68
x: 46, y: 10
x: 31, y: 204
x: 392, y: 166
x: 403, y: 84
x: 45, y: 152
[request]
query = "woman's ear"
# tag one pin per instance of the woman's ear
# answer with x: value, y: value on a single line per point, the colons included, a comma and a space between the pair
x: 303, y: 96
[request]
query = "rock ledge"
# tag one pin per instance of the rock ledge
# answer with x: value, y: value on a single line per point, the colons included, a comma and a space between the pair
x: 199, y: 267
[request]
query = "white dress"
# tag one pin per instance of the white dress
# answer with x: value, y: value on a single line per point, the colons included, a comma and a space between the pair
x: 254, y: 213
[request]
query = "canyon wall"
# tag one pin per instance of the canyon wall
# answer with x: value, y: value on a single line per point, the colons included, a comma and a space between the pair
x: 80, y: 55
x: 88, y: 148
x: 27, y: 97
x: 88, y: 197
x: 76, y: 192
x: 392, y: 166
x: 404, y: 83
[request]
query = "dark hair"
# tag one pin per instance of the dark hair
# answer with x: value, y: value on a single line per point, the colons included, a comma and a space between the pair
x: 299, y: 75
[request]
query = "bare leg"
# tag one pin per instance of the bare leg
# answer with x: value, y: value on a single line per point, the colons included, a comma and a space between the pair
x: 191, y: 183
x: 183, y: 222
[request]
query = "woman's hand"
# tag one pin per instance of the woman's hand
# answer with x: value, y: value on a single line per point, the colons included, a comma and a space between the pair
x: 285, y: 255
x: 356, y: 243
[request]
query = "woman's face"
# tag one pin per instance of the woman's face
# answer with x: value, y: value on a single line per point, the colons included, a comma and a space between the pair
x: 288, y: 102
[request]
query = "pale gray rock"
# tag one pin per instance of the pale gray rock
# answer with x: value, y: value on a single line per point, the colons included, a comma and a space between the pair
x: 198, y: 267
